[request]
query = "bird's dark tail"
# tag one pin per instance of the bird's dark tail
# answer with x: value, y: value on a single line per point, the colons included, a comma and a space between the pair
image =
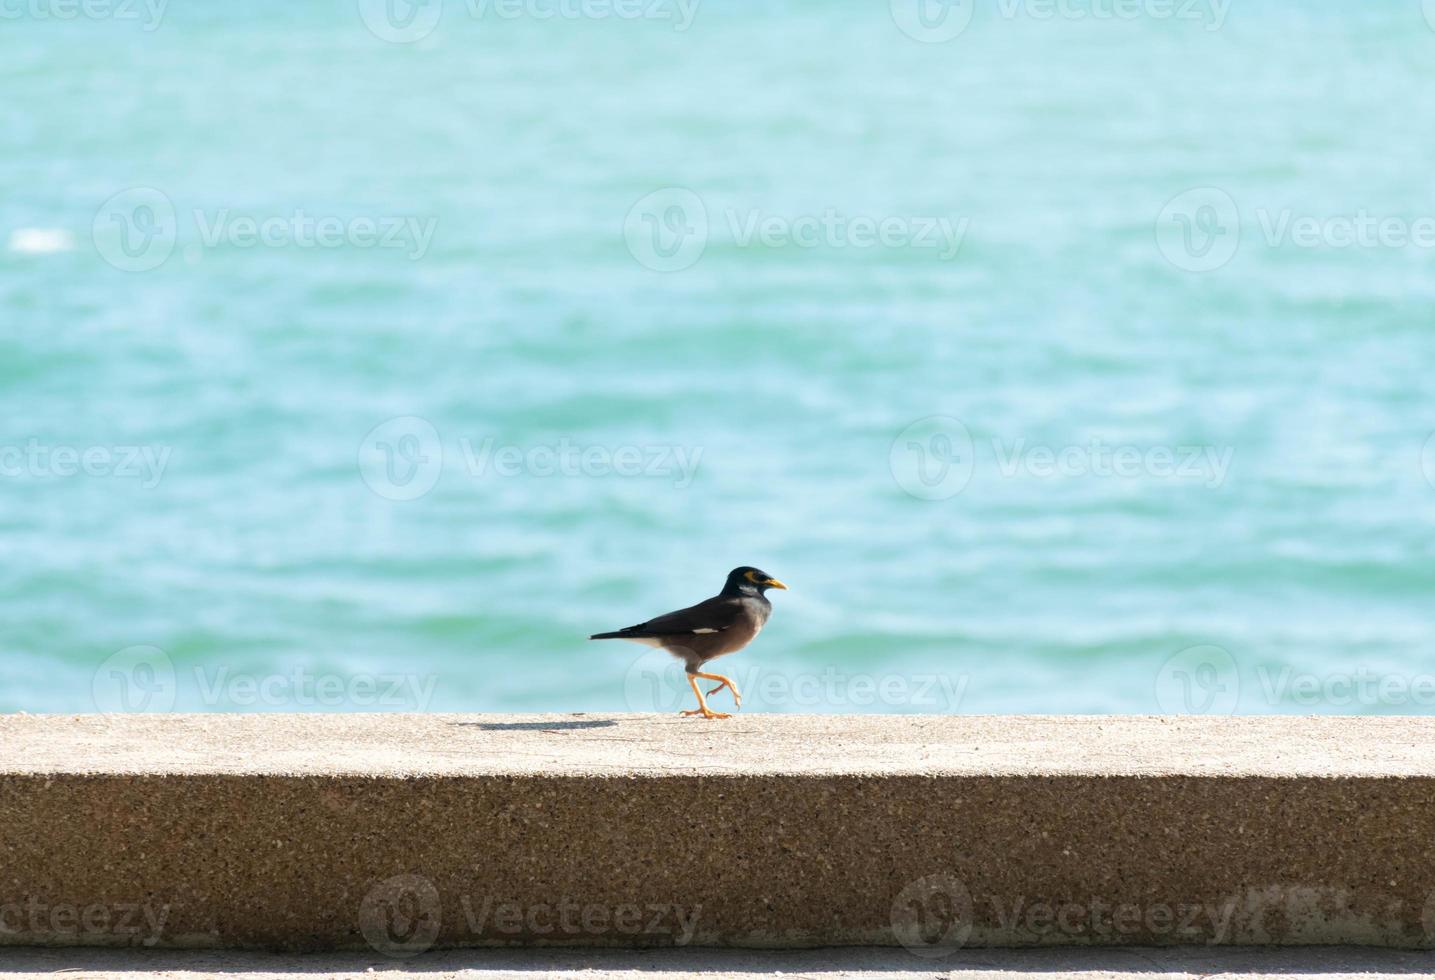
x: 630, y: 633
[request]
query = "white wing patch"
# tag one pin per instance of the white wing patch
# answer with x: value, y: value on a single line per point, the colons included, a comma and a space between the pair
x: 705, y: 630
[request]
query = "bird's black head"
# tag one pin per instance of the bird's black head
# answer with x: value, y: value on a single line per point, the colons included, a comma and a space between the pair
x: 749, y: 581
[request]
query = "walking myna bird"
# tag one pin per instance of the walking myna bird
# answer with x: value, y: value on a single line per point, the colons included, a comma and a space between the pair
x: 713, y: 628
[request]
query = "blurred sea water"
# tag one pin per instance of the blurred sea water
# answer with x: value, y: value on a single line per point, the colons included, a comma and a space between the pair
x: 369, y: 356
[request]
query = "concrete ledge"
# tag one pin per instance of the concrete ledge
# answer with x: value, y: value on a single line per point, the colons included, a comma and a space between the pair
x: 1170, y: 963
x: 399, y: 832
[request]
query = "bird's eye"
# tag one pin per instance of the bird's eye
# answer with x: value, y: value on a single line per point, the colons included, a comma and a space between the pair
x: 752, y: 577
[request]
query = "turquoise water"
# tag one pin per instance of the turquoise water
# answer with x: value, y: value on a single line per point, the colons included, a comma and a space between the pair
x: 413, y: 461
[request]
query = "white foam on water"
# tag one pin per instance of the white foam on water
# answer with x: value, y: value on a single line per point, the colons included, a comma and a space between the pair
x: 41, y: 241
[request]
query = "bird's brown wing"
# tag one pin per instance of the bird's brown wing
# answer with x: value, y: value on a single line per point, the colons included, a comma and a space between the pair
x: 709, y: 616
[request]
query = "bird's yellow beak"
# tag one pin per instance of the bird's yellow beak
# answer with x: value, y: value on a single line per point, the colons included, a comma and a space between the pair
x: 773, y: 583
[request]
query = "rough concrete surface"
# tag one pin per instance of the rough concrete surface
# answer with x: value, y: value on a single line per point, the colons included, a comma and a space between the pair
x: 753, y: 744
x: 401, y: 833
x: 1308, y: 963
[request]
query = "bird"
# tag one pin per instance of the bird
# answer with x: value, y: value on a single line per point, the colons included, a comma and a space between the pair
x: 713, y: 628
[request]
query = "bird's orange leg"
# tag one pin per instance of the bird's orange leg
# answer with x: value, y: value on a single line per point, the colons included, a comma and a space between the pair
x: 725, y: 682
x: 702, y: 708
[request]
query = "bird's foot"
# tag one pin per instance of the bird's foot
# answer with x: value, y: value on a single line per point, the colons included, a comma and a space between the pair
x: 724, y: 682
x: 736, y: 694
x: 702, y: 708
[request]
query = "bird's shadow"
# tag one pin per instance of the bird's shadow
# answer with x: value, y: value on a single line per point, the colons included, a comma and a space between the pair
x: 536, y: 726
